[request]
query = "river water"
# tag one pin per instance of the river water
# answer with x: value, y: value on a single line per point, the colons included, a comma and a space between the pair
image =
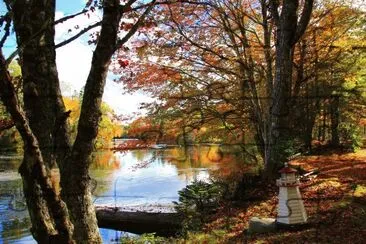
x: 143, y: 179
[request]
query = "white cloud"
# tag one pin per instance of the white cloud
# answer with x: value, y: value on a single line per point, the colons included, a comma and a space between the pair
x: 125, y: 104
x: 74, y: 61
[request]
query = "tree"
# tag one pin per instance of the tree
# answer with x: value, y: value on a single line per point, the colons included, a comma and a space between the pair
x: 241, y: 78
x: 69, y: 217
x: 290, y: 26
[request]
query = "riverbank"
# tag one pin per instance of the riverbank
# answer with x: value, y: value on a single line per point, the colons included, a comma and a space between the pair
x: 334, y: 198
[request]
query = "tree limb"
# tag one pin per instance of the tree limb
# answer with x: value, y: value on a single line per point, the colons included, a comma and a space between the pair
x: 6, y: 18
x: 304, y: 20
x: 63, y: 19
x: 135, y: 27
x: 273, y: 7
x: 83, y: 31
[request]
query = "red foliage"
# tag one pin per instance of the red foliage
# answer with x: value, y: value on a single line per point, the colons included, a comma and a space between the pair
x: 123, y: 63
x: 130, y: 145
x: 125, y: 26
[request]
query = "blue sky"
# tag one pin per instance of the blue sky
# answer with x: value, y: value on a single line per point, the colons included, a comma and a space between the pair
x: 73, y: 60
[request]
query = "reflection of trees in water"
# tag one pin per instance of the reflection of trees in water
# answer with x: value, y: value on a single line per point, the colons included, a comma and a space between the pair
x: 105, y: 160
x: 16, y: 227
x: 140, y: 154
x: 13, y: 215
x: 11, y: 194
x: 198, y: 156
x: 191, y: 161
x: 104, y: 163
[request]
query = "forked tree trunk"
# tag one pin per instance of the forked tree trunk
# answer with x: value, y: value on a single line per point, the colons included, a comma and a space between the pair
x: 289, y: 30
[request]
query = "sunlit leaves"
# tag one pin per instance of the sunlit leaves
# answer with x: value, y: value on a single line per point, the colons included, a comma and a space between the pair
x: 109, y: 126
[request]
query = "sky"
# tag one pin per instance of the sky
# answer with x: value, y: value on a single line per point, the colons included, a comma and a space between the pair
x: 74, y: 59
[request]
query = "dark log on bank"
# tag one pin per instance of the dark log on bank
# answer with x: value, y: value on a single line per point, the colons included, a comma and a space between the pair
x: 161, y: 223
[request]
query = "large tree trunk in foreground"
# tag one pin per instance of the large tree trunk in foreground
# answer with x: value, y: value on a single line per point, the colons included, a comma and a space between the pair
x: 44, y: 127
x: 34, y: 26
x: 33, y: 23
x: 75, y: 179
x: 289, y: 30
x: 47, y: 211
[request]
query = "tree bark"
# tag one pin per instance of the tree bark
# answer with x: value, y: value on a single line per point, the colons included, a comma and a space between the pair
x: 50, y: 222
x: 33, y: 23
x: 288, y: 32
x: 76, y: 181
x: 334, y: 117
x: 44, y: 126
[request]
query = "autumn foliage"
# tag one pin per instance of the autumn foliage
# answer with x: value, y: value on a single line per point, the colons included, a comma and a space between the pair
x: 109, y: 126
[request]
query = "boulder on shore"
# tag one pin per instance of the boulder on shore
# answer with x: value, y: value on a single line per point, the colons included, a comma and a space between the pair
x: 262, y: 225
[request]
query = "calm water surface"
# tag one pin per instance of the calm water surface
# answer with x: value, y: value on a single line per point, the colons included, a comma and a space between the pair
x: 140, y: 178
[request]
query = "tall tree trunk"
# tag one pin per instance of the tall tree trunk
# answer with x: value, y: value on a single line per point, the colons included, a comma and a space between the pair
x: 47, y: 211
x: 289, y: 31
x: 324, y: 121
x: 34, y: 26
x: 76, y: 181
x: 33, y: 23
x: 46, y: 135
x: 334, y: 117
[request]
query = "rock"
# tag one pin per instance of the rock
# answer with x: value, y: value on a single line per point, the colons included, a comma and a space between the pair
x: 261, y: 225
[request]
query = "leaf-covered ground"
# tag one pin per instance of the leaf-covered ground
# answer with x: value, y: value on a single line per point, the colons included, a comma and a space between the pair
x: 335, y: 202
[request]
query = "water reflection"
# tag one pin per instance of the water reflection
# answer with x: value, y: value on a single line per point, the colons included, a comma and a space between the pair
x: 142, y: 178
x: 148, y: 177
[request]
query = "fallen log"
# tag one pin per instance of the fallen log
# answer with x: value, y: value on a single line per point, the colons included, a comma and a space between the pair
x: 139, y: 222
x: 310, y: 175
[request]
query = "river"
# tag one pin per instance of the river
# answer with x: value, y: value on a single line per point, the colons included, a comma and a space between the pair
x: 133, y: 179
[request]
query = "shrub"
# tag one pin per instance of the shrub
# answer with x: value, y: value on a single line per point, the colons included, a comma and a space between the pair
x: 350, y: 136
x: 196, y: 202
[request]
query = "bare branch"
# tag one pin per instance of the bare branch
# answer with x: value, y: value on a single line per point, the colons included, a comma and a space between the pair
x: 83, y: 31
x: 7, y: 19
x: 70, y: 17
x: 304, y: 19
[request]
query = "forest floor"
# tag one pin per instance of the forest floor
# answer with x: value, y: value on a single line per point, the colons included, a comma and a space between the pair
x: 335, y: 201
